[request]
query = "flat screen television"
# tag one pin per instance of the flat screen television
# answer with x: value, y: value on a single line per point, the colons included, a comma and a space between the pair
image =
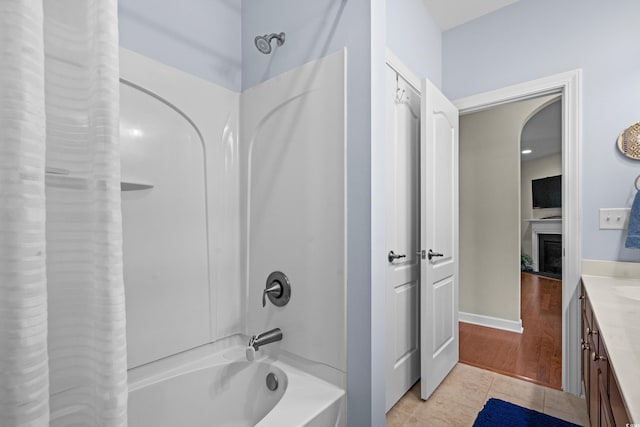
x: 547, y: 192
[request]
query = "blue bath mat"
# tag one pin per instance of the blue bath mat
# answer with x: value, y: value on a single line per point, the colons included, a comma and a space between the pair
x: 498, y: 413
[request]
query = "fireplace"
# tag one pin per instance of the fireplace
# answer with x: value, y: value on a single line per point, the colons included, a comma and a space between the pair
x: 547, y: 227
x: 550, y: 254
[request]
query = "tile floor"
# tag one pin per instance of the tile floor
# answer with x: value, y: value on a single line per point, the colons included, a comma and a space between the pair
x: 457, y: 401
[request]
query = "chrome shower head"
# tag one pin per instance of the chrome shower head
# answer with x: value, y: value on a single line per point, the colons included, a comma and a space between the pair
x: 263, y: 43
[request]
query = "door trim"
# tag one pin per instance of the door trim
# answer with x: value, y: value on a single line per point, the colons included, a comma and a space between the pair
x: 405, y: 72
x: 569, y: 84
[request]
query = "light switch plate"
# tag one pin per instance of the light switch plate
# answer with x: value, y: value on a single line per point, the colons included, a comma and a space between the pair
x: 614, y: 218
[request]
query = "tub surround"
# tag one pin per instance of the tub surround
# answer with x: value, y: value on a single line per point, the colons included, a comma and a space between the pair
x: 282, y: 146
x: 182, y: 237
x: 176, y: 364
x: 167, y: 295
x: 293, y: 146
x: 158, y: 370
x: 616, y: 307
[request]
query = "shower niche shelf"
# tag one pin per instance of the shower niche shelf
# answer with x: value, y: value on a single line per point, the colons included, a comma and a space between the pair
x: 62, y: 178
x: 134, y: 186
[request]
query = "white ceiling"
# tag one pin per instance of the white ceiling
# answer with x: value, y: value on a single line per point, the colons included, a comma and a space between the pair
x: 451, y: 13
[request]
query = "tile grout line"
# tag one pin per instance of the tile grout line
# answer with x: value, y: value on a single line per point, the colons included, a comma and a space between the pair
x: 486, y: 394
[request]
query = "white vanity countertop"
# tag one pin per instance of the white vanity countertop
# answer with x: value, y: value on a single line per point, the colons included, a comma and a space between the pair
x: 616, y: 306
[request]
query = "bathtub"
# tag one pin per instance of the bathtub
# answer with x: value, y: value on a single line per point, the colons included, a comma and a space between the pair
x: 222, y: 389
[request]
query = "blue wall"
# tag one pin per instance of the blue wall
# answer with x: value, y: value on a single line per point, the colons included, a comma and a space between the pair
x: 415, y: 38
x: 536, y: 38
x: 313, y: 30
x: 200, y: 37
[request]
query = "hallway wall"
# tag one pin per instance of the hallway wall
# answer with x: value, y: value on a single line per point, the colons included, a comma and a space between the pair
x: 490, y: 209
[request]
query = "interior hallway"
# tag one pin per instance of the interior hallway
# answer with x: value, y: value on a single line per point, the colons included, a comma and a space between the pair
x: 457, y: 401
x: 534, y: 355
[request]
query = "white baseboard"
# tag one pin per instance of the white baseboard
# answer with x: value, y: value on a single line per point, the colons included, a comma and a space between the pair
x: 491, y: 322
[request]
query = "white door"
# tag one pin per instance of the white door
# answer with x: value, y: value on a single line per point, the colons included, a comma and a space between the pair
x: 438, y: 238
x: 402, y: 358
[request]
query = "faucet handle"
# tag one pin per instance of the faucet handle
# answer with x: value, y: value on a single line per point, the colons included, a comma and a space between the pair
x: 275, y: 289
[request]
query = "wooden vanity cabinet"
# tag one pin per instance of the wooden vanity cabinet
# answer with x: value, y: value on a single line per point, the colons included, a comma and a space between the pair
x: 604, y: 400
x: 617, y: 404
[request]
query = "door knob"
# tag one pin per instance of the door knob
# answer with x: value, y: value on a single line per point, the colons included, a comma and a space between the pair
x: 392, y: 256
x: 432, y: 254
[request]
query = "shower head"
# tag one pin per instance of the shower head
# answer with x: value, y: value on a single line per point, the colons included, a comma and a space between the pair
x: 263, y: 43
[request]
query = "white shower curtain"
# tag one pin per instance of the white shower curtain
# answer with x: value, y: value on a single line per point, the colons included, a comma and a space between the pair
x: 62, y: 313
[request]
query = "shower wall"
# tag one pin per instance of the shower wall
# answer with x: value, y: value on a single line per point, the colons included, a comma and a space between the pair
x: 314, y: 29
x: 181, y: 34
x: 182, y: 236
x: 165, y: 244
x: 293, y: 146
x: 223, y: 212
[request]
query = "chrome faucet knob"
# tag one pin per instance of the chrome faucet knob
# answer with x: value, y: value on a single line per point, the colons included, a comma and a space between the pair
x: 275, y: 289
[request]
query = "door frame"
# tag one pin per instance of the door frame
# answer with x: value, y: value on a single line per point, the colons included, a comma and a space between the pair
x: 569, y: 84
x: 405, y: 72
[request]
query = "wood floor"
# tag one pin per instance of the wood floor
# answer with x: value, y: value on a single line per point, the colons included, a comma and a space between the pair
x: 536, y: 354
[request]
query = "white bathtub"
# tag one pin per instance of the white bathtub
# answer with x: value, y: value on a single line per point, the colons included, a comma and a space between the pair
x: 224, y: 390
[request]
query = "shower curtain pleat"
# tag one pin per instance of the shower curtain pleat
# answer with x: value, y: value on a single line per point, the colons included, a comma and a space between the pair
x: 62, y: 312
x: 24, y: 379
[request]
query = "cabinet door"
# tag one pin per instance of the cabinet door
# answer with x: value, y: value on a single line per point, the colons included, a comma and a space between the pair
x: 586, y: 354
x: 593, y: 394
x: 583, y: 341
x: 617, y: 404
x: 604, y: 407
x: 589, y: 367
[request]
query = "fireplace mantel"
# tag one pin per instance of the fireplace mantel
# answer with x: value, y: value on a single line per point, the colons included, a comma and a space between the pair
x: 542, y: 226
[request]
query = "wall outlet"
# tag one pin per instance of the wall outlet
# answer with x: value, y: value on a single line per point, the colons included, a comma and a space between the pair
x: 614, y: 218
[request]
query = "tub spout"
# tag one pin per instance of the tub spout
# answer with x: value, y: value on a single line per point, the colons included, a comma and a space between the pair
x: 263, y: 338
